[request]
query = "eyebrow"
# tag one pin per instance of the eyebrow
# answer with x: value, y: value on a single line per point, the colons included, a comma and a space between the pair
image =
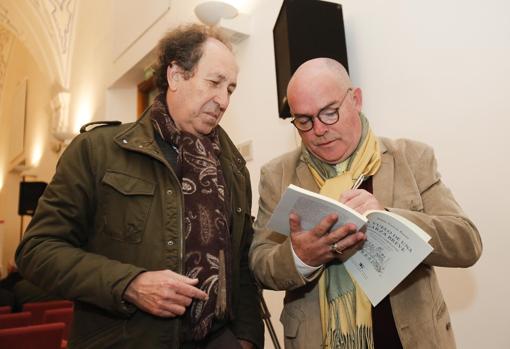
x: 329, y: 105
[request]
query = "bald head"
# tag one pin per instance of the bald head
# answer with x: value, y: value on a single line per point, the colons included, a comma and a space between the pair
x: 317, y: 71
x: 322, y: 86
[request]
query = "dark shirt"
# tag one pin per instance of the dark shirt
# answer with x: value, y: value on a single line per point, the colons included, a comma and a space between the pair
x: 383, y: 323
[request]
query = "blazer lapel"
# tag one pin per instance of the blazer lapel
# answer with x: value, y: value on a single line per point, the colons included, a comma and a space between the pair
x: 305, y: 178
x: 383, y: 180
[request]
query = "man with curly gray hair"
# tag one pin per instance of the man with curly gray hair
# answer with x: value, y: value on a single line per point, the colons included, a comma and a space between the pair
x: 147, y: 226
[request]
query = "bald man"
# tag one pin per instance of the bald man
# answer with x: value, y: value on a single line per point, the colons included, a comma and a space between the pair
x: 323, y: 306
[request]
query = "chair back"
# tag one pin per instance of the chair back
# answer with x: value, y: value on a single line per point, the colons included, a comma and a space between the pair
x: 5, y: 309
x: 64, y: 315
x: 15, y: 319
x: 45, y: 336
x: 37, y: 308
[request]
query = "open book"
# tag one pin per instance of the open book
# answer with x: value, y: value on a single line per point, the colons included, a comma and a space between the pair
x: 394, y: 246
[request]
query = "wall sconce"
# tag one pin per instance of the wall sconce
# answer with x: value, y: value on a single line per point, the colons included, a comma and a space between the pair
x: 211, y: 12
x: 224, y: 15
x: 60, y: 121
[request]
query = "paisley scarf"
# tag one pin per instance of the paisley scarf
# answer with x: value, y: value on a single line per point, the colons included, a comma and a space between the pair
x: 206, y: 219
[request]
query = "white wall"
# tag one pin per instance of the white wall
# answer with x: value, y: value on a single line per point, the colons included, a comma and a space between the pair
x: 435, y: 71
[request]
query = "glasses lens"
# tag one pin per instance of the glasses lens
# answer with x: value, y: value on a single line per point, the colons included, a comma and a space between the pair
x: 328, y: 117
x: 303, y: 123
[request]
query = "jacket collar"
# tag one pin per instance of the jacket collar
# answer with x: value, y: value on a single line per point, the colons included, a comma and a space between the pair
x: 140, y: 137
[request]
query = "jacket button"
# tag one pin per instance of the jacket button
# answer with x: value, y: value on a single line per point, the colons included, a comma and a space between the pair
x: 169, y: 192
x: 239, y: 210
x: 170, y: 243
x: 448, y: 326
x: 124, y: 141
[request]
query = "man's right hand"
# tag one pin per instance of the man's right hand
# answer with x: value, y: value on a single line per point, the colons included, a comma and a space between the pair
x: 314, y: 247
x: 163, y: 293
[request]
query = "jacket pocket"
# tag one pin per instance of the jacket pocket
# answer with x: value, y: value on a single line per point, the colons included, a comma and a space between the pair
x: 125, y: 206
x: 290, y: 318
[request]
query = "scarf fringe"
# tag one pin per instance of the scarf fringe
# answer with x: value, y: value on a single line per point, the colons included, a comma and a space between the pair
x: 362, y: 338
x: 221, y: 301
x: 342, y: 331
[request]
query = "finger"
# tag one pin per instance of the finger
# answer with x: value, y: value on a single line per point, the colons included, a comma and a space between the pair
x: 350, y: 241
x: 176, y: 309
x: 180, y: 299
x: 188, y: 290
x: 350, y: 194
x: 350, y: 251
x: 182, y: 278
x: 294, y: 223
x: 325, y: 225
x: 340, y: 233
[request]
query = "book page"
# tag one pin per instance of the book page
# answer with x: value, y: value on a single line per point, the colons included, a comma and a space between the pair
x: 311, y: 208
x: 391, y: 252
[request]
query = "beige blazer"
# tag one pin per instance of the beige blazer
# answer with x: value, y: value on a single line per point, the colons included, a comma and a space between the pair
x: 408, y: 184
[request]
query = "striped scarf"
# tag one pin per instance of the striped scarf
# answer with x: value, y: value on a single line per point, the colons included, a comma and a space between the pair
x: 346, y: 312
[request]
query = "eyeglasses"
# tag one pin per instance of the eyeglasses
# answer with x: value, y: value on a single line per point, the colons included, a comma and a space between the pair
x: 328, y: 116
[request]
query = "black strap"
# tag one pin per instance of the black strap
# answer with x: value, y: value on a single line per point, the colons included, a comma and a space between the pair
x: 94, y: 124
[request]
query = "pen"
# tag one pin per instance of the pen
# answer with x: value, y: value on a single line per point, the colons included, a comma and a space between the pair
x: 358, y: 182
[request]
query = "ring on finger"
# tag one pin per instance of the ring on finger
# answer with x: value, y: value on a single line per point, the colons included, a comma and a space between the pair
x: 334, y: 248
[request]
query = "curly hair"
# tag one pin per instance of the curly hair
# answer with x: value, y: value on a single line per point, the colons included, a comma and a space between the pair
x: 183, y: 46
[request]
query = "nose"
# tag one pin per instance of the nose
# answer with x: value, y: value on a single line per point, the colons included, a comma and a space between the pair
x: 222, y: 98
x: 319, y: 129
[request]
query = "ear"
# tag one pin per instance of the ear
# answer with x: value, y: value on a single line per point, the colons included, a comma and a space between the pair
x: 358, y: 98
x: 173, y: 76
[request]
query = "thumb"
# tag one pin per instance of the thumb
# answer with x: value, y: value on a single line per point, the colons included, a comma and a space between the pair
x: 294, y: 223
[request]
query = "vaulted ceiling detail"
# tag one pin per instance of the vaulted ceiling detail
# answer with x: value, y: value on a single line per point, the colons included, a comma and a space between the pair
x: 58, y: 16
x: 46, y: 29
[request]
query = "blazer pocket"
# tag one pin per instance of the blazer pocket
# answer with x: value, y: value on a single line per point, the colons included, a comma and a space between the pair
x: 291, y: 323
x: 125, y: 205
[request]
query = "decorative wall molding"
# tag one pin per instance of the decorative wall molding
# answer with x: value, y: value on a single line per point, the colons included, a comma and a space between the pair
x: 46, y: 29
x: 6, y: 21
x: 6, y: 40
x: 58, y: 17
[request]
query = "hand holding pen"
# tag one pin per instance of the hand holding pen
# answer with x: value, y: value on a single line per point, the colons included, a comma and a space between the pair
x: 360, y: 199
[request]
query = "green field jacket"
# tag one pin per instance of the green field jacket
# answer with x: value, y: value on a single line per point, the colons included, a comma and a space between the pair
x: 113, y: 210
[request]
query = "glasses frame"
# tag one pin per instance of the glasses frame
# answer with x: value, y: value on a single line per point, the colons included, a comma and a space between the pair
x: 318, y: 115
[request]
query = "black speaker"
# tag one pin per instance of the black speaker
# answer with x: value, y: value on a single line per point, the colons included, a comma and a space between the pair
x: 29, y: 194
x: 306, y: 29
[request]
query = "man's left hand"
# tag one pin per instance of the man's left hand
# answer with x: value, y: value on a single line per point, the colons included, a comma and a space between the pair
x: 360, y: 200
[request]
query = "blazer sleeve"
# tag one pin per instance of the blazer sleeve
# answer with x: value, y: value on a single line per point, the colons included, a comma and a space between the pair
x: 271, y: 257
x: 455, y: 239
